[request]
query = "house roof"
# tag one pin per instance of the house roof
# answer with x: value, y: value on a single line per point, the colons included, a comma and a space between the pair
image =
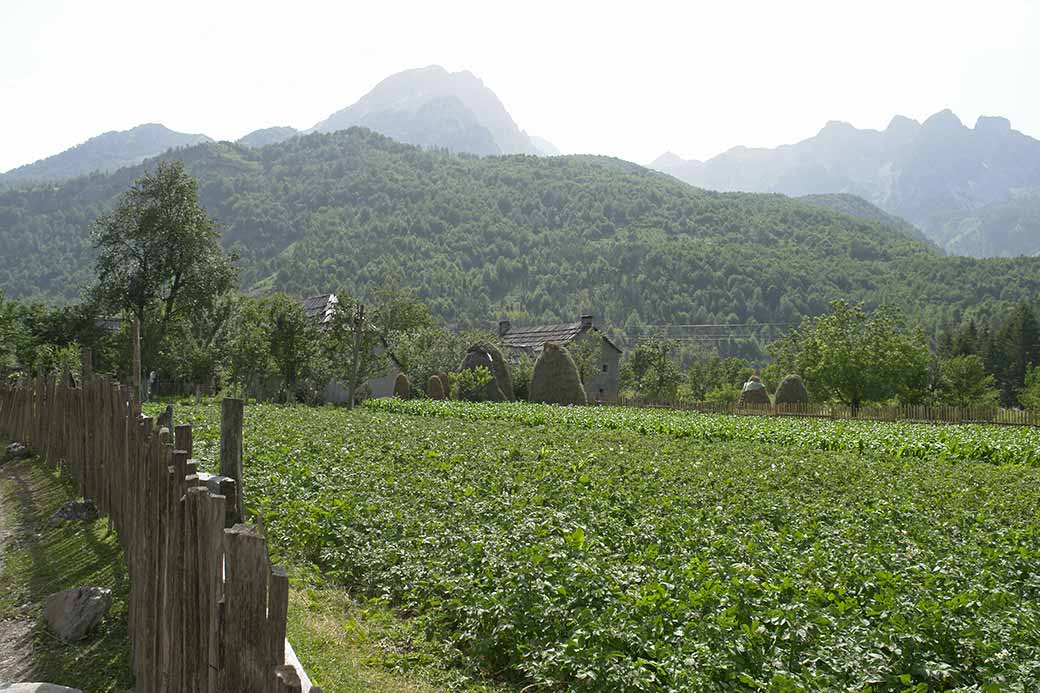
x: 535, y: 337
x: 320, y: 307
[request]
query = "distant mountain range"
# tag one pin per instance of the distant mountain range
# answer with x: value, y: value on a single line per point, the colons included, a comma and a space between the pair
x: 428, y: 107
x: 973, y: 191
x: 432, y: 107
x: 106, y: 152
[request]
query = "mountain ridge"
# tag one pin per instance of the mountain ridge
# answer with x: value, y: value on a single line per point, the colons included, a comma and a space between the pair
x: 542, y: 238
x: 937, y: 174
x: 108, y: 151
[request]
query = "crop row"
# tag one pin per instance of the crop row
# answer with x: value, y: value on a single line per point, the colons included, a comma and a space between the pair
x: 623, y: 560
x: 969, y: 442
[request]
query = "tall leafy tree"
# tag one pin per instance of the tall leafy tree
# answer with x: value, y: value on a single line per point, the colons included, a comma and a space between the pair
x: 964, y: 382
x: 856, y: 356
x: 293, y: 339
x: 652, y: 371
x: 1016, y: 347
x: 158, y: 253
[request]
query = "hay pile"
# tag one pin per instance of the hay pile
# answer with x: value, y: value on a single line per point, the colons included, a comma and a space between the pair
x: 435, y: 388
x: 402, y: 388
x: 753, y: 393
x: 555, y: 379
x: 477, y: 356
x: 792, y: 391
x: 500, y: 370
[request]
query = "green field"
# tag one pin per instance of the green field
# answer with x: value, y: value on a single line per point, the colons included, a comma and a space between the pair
x: 627, y: 550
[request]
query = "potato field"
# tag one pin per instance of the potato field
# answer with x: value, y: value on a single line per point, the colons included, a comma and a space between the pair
x: 616, y: 549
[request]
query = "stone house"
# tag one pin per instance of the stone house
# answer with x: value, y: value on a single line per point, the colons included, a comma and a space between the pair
x: 603, y: 385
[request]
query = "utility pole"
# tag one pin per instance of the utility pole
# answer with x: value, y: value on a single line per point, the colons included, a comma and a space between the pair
x: 359, y: 320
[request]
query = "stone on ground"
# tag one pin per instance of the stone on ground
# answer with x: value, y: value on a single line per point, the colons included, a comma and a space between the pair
x: 72, y: 613
x: 74, y: 511
x: 15, y: 451
x: 36, y: 688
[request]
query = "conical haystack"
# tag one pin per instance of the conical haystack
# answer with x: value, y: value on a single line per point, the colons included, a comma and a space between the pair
x: 402, y: 388
x: 753, y: 393
x: 500, y: 370
x: 792, y: 391
x: 434, y: 388
x: 478, y: 357
x: 555, y: 379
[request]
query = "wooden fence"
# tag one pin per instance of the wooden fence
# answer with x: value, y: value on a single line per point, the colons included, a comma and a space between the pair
x: 919, y: 414
x: 207, y: 610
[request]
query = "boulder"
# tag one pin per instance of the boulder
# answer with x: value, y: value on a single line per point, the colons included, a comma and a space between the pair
x: 16, y: 451
x: 74, y: 511
x: 72, y: 613
x: 36, y: 688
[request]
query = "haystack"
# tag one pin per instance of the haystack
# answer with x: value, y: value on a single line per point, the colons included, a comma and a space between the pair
x: 478, y: 357
x: 500, y: 370
x: 402, y: 388
x: 791, y: 391
x: 753, y: 393
x: 555, y: 379
x: 434, y: 388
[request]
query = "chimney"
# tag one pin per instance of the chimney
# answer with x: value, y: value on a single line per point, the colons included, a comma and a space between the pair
x: 586, y: 322
x: 503, y: 327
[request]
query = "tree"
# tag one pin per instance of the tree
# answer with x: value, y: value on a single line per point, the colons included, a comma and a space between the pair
x: 1016, y: 346
x: 346, y: 359
x: 964, y: 382
x: 1030, y: 394
x: 14, y: 338
x: 856, y: 356
x: 249, y: 345
x: 293, y: 339
x: 158, y: 253
x: 651, y: 371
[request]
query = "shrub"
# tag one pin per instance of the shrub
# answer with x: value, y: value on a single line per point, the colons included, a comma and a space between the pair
x: 555, y: 379
x: 472, y: 384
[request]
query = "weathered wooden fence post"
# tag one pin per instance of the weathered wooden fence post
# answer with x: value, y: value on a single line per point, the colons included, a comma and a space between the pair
x: 135, y: 375
x: 231, y: 413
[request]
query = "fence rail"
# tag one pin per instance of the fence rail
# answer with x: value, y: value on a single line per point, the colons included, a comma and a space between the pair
x: 917, y: 414
x: 207, y: 610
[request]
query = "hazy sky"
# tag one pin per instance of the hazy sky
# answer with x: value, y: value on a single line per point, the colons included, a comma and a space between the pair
x: 631, y: 79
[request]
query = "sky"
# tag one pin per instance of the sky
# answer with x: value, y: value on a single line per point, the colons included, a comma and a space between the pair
x: 628, y: 79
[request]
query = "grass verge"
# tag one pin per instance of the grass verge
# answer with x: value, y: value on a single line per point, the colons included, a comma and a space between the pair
x: 39, y: 560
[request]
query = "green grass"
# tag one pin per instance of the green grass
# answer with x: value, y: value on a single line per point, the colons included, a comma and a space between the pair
x: 40, y: 560
x: 572, y: 556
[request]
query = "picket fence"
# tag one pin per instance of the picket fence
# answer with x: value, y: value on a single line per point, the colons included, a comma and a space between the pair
x: 207, y: 610
x: 917, y: 414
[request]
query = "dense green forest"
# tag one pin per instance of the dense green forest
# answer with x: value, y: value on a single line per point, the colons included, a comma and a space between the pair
x: 541, y: 239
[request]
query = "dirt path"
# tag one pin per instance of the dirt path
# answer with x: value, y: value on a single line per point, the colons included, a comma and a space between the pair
x: 16, y: 635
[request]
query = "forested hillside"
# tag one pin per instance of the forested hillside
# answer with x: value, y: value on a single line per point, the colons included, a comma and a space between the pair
x: 541, y: 239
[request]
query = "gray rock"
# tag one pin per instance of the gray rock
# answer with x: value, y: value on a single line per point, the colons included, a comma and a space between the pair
x: 74, y: 511
x: 15, y: 451
x: 36, y: 688
x: 73, y: 612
